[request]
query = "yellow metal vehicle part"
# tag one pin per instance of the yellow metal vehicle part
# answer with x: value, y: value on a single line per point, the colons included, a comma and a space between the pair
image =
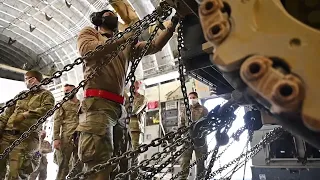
x: 125, y: 11
x: 258, y: 35
x: 128, y: 14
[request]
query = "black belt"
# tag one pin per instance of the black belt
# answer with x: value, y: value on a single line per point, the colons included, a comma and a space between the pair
x: 12, y: 132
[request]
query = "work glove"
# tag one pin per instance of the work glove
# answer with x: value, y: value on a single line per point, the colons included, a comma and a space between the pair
x: 175, y: 20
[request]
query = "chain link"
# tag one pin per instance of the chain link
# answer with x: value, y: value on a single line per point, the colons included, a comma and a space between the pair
x: 130, y: 154
x: 74, y: 168
x: 174, y: 162
x: 154, y: 157
x: 235, y: 136
x: 204, y: 157
x: 143, y: 148
x: 170, y: 159
x: 245, y: 149
x: 181, y: 72
x: 141, y: 176
x: 218, y: 124
x: 229, y: 120
x: 213, y: 123
x: 268, y: 138
x: 159, y: 160
x: 212, y: 161
x: 140, y: 25
x: 192, y: 145
x: 131, y: 76
x: 134, y: 64
x: 188, y: 138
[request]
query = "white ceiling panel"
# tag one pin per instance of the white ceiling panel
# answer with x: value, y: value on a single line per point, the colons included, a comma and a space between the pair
x: 17, y: 4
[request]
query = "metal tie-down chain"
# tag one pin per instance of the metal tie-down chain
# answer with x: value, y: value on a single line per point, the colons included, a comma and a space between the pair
x: 244, y: 151
x: 184, y: 92
x: 171, y: 159
x: 212, y: 120
x: 166, y: 150
x: 181, y: 72
x: 130, y: 154
x: 235, y: 136
x: 229, y: 122
x: 154, y: 157
x: 134, y: 64
x: 187, y: 147
x: 268, y: 138
x: 139, y: 26
x: 176, y: 143
x: 73, y: 170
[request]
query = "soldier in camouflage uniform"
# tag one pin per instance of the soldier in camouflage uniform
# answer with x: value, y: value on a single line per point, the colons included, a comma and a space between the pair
x: 66, y: 120
x: 103, y: 103
x: 139, y: 104
x: 41, y: 159
x: 197, y: 111
x: 17, y: 119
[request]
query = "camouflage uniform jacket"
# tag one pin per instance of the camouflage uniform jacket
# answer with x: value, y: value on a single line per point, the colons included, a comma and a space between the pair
x: 139, y: 103
x: 35, y: 105
x: 66, y: 120
x: 197, y: 111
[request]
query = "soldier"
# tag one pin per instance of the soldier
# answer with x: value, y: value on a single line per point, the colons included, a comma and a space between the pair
x: 66, y: 120
x: 103, y: 103
x: 41, y: 157
x: 139, y: 105
x: 197, y: 111
x: 16, y: 120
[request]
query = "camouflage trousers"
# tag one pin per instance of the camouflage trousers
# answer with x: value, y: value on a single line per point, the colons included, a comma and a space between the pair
x: 186, y: 158
x: 121, y: 139
x: 19, y: 160
x: 135, y: 136
x: 135, y: 131
x: 98, y: 132
x: 67, y: 156
x: 40, y: 169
